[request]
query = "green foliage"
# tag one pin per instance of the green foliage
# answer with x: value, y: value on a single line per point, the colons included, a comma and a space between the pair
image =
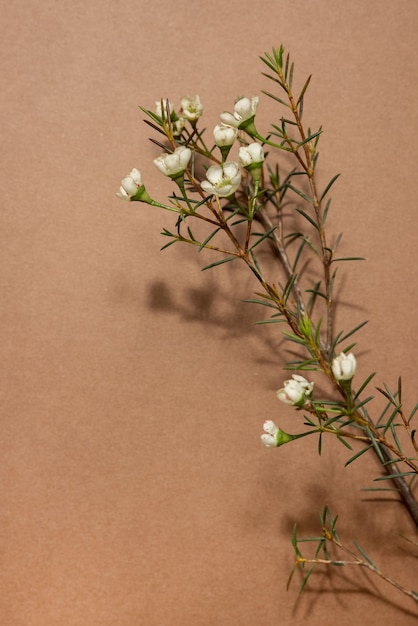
x: 329, y: 550
x: 273, y: 221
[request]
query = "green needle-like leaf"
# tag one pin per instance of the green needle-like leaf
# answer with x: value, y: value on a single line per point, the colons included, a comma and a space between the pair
x: 304, y: 88
x: 364, y: 555
x: 395, y: 475
x: 221, y: 262
x: 358, y: 454
x: 305, y: 580
x: 364, y: 385
x: 206, y: 241
x: 328, y: 187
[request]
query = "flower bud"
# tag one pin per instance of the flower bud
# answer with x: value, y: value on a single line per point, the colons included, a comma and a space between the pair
x: 251, y: 155
x: 274, y: 436
x: 174, y: 164
x: 251, y: 158
x: 224, y: 135
x: 222, y: 180
x: 296, y: 391
x: 132, y: 187
x: 344, y: 366
x: 246, y: 107
x: 177, y: 126
x: 243, y: 115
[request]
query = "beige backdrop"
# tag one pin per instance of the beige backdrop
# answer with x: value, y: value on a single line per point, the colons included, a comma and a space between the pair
x: 134, y: 488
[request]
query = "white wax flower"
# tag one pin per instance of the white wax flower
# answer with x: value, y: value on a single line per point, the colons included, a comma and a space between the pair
x: 251, y: 155
x: 175, y: 163
x: 222, y: 180
x: 159, y: 109
x: 130, y: 185
x: 274, y: 436
x: 344, y: 366
x: 269, y: 438
x: 224, y: 135
x: 191, y: 108
x: 244, y: 109
x: 295, y: 391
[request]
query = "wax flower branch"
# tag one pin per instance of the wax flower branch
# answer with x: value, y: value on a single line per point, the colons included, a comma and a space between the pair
x: 247, y: 203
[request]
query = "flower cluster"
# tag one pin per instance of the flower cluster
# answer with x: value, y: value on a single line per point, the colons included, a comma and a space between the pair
x: 298, y: 391
x: 190, y: 110
x: 238, y: 202
x: 221, y: 180
x: 224, y: 180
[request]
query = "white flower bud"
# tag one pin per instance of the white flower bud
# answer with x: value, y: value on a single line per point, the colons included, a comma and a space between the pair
x: 244, y: 109
x: 229, y: 119
x: 175, y: 163
x: 295, y: 391
x: 130, y: 185
x: 251, y: 155
x: 344, y: 366
x: 178, y: 126
x: 273, y: 436
x: 269, y: 438
x: 224, y: 135
x: 222, y: 180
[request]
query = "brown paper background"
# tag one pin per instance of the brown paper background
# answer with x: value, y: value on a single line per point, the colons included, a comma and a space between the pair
x: 134, y: 488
